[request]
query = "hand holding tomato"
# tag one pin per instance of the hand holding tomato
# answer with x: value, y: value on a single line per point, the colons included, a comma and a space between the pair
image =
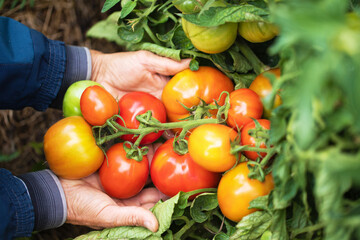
x: 88, y: 205
x: 125, y: 72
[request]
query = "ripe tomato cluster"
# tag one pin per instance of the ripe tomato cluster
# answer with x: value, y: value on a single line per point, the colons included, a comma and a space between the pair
x: 189, y: 99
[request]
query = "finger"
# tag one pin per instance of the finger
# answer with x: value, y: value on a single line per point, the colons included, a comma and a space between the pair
x: 163, y: 65
x: 114, y: 216
x: 147, y: 195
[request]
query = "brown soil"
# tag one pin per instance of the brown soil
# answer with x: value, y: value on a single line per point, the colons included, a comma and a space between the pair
x: 22, y: 131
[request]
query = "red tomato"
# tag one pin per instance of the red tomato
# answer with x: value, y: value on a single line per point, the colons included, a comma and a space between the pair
x: 70, y: 148
x: 97, y: 105
x: 188, y: 87
x: 209, y: 146
x: 236, y: 191
x: 244, y: 105
x: 246, y: 139
x: 262, y: 86
x: 137, y: 103
x: 122, y: 177
x: 172, y: 173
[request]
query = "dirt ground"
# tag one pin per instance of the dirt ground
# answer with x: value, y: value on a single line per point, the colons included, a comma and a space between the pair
x: 22, y: 131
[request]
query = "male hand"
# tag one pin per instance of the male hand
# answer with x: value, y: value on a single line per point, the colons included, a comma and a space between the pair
x: 125, y: 72
x: 89, y: 205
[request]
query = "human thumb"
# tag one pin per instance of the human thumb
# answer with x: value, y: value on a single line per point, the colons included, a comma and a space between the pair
x: 130, y: 216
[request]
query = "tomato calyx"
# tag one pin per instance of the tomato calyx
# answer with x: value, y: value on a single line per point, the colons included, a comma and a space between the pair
x: 135, y: 152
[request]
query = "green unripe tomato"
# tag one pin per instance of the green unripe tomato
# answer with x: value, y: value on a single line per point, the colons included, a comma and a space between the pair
x: 211, y: 39
x: 189, y: 6
x: 257, y: 32
x: 71, y: 102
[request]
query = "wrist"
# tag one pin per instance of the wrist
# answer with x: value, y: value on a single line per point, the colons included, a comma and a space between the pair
x: 47, y: 197
x: 95, y: 64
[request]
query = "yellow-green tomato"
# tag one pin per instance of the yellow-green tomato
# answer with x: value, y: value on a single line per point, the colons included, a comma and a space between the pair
x: 71, y: 102
x: 257, y: 32
x: 211, y: 39
x: 70, y: 148
x: 209, y: 146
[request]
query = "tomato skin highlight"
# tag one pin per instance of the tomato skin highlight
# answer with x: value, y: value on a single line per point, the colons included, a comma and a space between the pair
x: 244, y: 105
x: 188, y: 87
x: 236, y: 191
x: 122, y: 177
x: 70, y: 148
x: 71, y: 102
x: 209, y: 146
x: 97, y: 105
x: 262, y: 86
x: 137, y: 103
x: 246, y: 139
x: 172, y: 173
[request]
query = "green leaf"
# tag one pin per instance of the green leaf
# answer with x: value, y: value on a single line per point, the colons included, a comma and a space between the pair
x: 127, y: 9
x: 202, y: 205
x: 9, y: 157
x: 216, y: 16
x: 252, y: 226
x: 107, y: 29
x: 109, y: 4
x: 131, y: 35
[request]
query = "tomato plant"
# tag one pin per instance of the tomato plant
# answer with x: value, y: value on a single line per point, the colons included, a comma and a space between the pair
x: 255, y: 139
x: 236, y: 190
x: 97, y: 105
x: 244, y: 105
x: 71, y: 102
x: 122, y: 177
x: 257, y: 31
x: 190, y: 87
x: 189, y: 6
x: 134, y: 104
x: 209, y: 146
x: 172, y: 173
x: 263, y: 87
x: 212, y: 40
x: 70, y: 148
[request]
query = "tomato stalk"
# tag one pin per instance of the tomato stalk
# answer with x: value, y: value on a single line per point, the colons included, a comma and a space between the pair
x: 255, y: 62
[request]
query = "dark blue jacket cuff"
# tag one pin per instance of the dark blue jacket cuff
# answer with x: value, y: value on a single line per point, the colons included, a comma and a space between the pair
x: 78, y: 67
x: 16, y: 211
x: 47, y: 197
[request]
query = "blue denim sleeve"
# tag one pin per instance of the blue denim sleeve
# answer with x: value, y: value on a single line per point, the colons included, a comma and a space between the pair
x: 16, y: 210
x: 31, y: 66
x: 35, y: 71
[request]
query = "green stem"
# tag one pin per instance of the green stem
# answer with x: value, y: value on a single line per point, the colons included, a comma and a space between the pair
x: 258, y: 66
x: 153, y: 127
x: 188, y: 225
x: 151, y: 35
x: 196, y: 54
x: 239, y: 148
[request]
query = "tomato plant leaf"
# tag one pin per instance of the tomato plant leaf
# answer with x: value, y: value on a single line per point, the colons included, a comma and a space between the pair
x: 109, y: 4
x: 201, y: 206
x: 253, y: 225
x: 216, y: 16
x: 107, y: 29
x: 127, y: 8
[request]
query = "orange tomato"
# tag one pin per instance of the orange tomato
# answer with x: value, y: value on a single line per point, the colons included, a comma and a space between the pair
x: 236, y: 191
x: 262, y: 86
x: 188, y: 87
x: 70, y: 148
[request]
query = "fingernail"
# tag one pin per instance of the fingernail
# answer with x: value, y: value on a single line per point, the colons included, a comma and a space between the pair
x: 149, y: 225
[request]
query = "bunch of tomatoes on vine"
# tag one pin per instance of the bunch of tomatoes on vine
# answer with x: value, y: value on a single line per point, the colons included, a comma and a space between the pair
x: 219, y: 138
